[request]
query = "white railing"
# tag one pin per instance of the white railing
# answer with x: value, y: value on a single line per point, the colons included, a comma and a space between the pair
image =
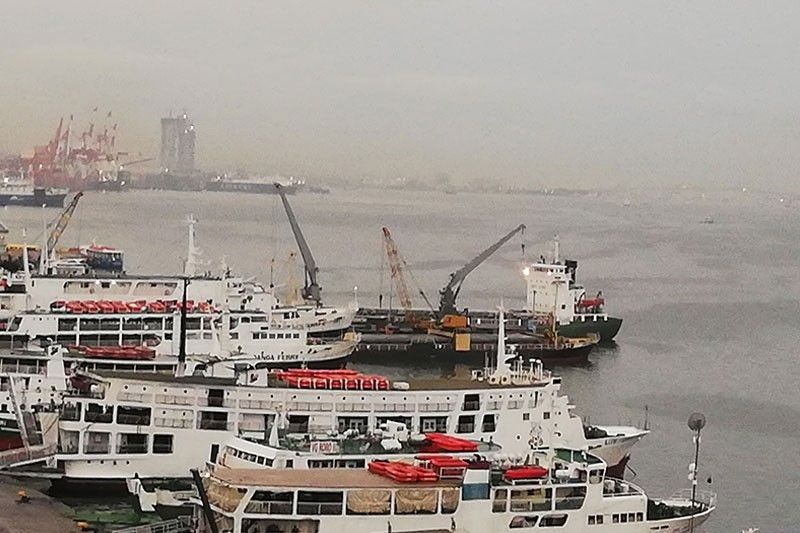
x: 436, y: 407
x: 173, y: 399
x: 185, y: 423
x: 134, y: 397
x: 705, y: 497
x: 353, y: 407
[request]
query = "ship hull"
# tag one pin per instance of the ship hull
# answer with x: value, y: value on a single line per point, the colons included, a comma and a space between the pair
x: 607, y: 328
x: 33, y: 199
x: 444, y: 353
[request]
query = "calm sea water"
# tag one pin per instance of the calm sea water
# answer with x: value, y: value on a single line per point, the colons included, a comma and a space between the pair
x: 710, y: 310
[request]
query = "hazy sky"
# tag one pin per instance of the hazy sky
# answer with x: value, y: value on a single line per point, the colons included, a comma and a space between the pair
x: 552, y: 92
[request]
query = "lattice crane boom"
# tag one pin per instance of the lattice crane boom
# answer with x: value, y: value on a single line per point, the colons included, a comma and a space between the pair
x: 396, y: 269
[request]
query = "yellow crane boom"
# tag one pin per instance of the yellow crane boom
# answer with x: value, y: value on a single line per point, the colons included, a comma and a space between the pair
x: 61, y: 222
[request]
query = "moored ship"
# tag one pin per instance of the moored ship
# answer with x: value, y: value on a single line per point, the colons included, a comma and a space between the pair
x: 558, y: 488
x: 27, y: 195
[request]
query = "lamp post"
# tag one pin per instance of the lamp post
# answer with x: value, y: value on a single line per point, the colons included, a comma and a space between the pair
x: 696, y: 423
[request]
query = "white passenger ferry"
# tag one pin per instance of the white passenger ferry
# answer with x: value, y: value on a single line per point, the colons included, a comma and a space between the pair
x: 557, y: 490
x: 274, y: 333
x: 126, y: 425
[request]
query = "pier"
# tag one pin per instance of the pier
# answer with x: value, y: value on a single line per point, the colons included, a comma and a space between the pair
x: 39, y: 514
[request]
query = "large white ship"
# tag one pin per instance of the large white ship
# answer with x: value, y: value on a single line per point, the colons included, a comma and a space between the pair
x: 559, y: 488
x: 156, y: 426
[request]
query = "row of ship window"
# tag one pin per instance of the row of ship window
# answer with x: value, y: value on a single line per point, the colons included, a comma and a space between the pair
x: 216, y: 420
x: 99, y: 442
x: 616, y: 518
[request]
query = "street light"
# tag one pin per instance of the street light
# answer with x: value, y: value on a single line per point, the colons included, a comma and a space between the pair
x: 696, y: 422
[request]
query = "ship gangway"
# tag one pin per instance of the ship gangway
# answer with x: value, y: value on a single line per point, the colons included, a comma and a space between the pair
x: 24, y: 456
x: 182, y: 524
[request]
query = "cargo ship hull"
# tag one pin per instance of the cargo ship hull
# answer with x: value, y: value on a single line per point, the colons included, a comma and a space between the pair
x: 37, y: 197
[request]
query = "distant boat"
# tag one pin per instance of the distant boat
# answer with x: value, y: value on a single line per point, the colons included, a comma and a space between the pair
x: 626, y: 202
x: 708, y: 220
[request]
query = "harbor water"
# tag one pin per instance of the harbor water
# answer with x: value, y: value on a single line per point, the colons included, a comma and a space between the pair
x: 707, y: 284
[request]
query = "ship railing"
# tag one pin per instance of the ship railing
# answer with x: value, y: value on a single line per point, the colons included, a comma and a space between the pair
x: 309, y: 406
x: 259, y: 404
x: 134, y: 397
x: 706, y: 498
x: 613, y: 488
x: 494, y: 405
x: 394, y: 407
x: 436, y: 407
x: 174, y: 399
x: 72, y: 393
x: 175, y: 525
x: 21, y: 369
x: 181, y: 423
x: 352, y: 407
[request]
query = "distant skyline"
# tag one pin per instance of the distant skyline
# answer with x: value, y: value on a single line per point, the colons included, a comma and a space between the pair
x: 600, y: 94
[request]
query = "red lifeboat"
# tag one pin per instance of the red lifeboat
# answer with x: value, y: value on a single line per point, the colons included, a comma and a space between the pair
x: 156, y: 307
x: 59, y: 306
x: 591, y: 302
x: 446, y: 443
x: 402, y: 472
x: 525, y: 472
x: 91, y: 307
x: 139, y: 306
x: 74, y: 306
x: 105, y: 306
x: 120, y: 307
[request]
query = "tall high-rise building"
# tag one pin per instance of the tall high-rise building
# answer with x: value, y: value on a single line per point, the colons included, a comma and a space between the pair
x: 177, y: 144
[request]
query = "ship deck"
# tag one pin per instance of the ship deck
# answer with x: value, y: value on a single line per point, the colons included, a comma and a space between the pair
x: 445, y: 383
x: 333, y: 478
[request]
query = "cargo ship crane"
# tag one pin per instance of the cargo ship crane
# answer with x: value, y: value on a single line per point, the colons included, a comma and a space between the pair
x: 62, y: 221
x: 396, y: 269
x: 396, y: 266
x: 311, y: 290
x: 447, y: 300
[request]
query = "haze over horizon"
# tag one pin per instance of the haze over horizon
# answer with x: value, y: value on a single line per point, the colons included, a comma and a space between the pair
x: 565, y: 94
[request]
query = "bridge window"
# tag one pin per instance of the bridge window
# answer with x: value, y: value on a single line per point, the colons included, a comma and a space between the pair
x: 97, y: 442
x: 99, y: 413
x: 555, y: 520
x: 431, y: 424
x: 213, y: 420
x: 319, y: 502
x: 132, y: 443
x: 526, y: 500
x: 162, y: 443
x: 569, y: 498
x: 466, y: 424
x: 523, y: 522
x: 133, y: 416
x: 269, y: 502
x: 500, y: 501
x: 488, y: 423
x: 472, y: 402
